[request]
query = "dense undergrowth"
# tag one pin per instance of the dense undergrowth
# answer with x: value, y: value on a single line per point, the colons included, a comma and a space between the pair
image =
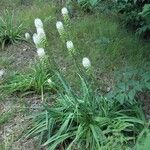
x: 92, y: 66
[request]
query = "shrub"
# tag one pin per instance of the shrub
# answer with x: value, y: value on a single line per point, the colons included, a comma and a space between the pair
x: 145, y: 29
x: 135, y: 15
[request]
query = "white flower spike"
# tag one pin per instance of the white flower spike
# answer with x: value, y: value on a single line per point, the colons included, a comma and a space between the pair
x: 61, y: 30
x: 64, y: 11
x: 41, y: 33
x: 65, y: 15
x: 36, y: 39
x: 41, y: 52
x: 38, y: 23
x: 40, y: 30
x: 59, y: 25
x: 70, y: 45
x: 86, y: 63
x: 27, y: 36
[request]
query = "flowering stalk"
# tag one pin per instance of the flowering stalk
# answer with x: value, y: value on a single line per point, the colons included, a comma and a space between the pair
x: 37, y: 40
x: 61, y: 31
x: 40, y: 37
x: 41, y: 53
x: 72, y: 51
x: 89, y: 70
x: 65, y: 15
x: 70, y: 47
x: 38, y: 23
x: 86, y: 63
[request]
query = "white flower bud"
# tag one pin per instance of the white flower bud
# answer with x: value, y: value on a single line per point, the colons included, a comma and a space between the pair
x: 69, y: 45
x: 38, y: 23
x: 41, y: 52
x: 64, y: 11
x: 27, y: 36
x: 59, y: 25
x: 2, y: 72
x: 86, y: 63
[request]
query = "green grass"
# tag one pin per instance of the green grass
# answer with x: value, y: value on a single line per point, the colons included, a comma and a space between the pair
x: 35, y: 80
x: 11, y: 30
x: 103, y: 41
x: 6, y: 117
x: 96, y: 36
x: 9, y: 4
x: 4, y: 62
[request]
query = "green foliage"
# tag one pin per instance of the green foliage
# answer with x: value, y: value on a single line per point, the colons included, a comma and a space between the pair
x: 87, y: 5
x: 145, y: 14
x: 5, y: 117
x: 10, y: 32
x: 85, y: 121
x: 143, y: 142
x: 133, y: 17
x: 9, y: 4
x: 35, y: 80
x: 129, y: 83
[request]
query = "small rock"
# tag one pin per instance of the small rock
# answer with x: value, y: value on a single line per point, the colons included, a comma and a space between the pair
x: 108, y: 89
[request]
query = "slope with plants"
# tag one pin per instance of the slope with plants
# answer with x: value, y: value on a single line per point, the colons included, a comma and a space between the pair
x: 82, y: 104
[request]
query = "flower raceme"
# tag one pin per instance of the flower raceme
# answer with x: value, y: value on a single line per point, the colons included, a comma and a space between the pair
x: 40, y: 31
x: 86, y: 63
x: 60, y: 27
x: 41, y: 34
x: 61, y: 31
x: 36, y: 40
x: 38, y: 23
x: 70, y: 46
x: 41, y: 52
x: 39, y: 27
x: 65, y: 15
x: 39, y: 38
x: 64, y: 11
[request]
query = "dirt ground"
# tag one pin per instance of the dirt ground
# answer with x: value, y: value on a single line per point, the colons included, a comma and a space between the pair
x: 13, y: 58
x: 144, y: 97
